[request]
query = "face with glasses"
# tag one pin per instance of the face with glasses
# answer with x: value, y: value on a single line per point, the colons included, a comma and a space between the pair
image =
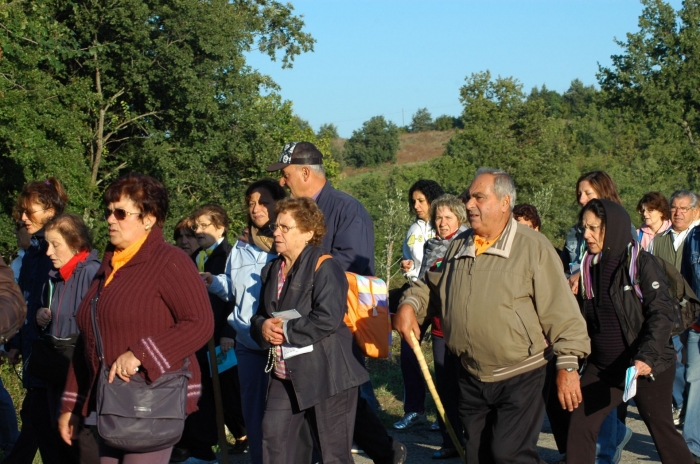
x: 206, y: 232
x: 682, y: 214
x: 289, y: 240
x: 35, y: 215
x: 127, y: 224
x: 593, y: 232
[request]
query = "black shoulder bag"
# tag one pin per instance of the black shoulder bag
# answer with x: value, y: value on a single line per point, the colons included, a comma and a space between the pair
x: 136, y: 416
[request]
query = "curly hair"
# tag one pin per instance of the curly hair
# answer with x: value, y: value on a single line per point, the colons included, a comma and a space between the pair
x: 147, y: 193
x: 654, y: 201
x: 603, y: 185
x: 429, y: 188
x: 217, y: 215
x: 77, y: 235
x: 529, y: 213
x: 308, y: 216
x: 48, y: 193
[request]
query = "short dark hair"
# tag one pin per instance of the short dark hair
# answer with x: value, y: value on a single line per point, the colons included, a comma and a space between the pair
x: 49, y: 193
x: 654, y: 201
x: 429, y: 188
x: 596, y: 207
x: 272, y: 186
x: 307, y: 214
x: 147, y: 193
x: 182, y: 225
x: 603, y: 185
x: 529, y: 213
x: 217, y: 214
x: 77, y: 235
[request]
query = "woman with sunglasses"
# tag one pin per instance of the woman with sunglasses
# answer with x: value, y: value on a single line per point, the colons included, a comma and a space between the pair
x: 38, y: 202
x: 241, y: 284
x: 153, y: 312
x: 302, y: 305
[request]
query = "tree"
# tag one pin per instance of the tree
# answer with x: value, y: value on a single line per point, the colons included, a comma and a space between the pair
x: 445, y: 122
x: 421, y: 121
x: 375, y: 143
x: 93, y: 89
x: 329, y: 130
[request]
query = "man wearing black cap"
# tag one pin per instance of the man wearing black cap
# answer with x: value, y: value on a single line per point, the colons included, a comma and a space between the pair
x: 350, y: 240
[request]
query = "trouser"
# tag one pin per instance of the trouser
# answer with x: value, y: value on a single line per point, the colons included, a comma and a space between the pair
x: 600, y: 397
x: 331, y: 422
x: 413, y: 383
x: 231, y: 399
x: 691, y: 427
x: 38, y: 433
x: 558, y: 416
x: 8, y: 421
x: 679, y: 383
x: 109, y: 455
x: 447, y: 367
x: 502, y: 420
x: 253, y: 383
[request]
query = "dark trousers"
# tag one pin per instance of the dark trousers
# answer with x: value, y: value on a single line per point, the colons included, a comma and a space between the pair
x: 558, y: 417
x: 413, y: 383
x: 38, y: 432
x: 331, y: 423
x: 447, y: 366
x: 231, y: 399
x: 652, y: 399
x: 502, y: 420
x: 109, y: 455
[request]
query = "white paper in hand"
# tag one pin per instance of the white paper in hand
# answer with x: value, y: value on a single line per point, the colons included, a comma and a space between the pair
x: 289, y: 351
x: 630, y: 384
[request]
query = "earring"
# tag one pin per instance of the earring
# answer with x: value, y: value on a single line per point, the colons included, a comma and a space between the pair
x: 148, y: 226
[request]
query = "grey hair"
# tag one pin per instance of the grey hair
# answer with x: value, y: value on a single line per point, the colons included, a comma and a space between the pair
x: 453, y: 203
x: 685, y: 194
x: 318, y: 169
x: 502, y: 185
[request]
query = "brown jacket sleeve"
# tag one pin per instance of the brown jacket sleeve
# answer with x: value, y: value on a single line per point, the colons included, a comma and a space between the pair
x: 13, y: 309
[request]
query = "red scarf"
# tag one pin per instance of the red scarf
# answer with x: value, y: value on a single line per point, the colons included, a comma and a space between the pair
x: 67, y: 270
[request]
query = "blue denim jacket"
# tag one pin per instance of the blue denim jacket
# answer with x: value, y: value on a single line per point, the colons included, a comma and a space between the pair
x: 690, y: 265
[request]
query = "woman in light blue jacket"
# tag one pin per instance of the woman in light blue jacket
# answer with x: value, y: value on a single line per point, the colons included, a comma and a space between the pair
x: 241, y: 283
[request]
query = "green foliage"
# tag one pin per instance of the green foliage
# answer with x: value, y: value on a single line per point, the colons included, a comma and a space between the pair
x: 375, y: 143
x: 421, y: 121
x: 93, y: 89
x: 445, y: 123
x: 328, y: 130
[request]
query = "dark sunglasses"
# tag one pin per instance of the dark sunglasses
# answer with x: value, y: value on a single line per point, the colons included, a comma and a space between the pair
x: 119, y: 214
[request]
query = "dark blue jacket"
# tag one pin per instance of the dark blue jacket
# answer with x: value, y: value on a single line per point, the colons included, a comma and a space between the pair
x: 690, y: 263
x: 350, y: 231
x: 68, y: 295
x: 32, y: 279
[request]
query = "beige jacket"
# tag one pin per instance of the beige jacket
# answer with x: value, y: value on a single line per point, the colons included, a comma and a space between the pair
x: 505, y: 311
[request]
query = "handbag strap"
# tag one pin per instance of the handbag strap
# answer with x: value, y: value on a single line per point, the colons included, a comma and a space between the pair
x: 95, y: 327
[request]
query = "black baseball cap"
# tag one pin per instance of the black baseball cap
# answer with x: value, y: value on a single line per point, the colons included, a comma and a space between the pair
x: 297, y: 153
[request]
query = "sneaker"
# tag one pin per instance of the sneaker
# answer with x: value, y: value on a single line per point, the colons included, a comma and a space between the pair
x: 435, y: 426
x: 408, y: 420
x: 676, y: 415
x: 618, y: 450
x: 356, y: 449
x: 400, y: 452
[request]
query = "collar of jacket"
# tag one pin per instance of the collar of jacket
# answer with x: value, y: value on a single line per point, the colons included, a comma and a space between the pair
x: 154, y: 238
x: 501, y: 247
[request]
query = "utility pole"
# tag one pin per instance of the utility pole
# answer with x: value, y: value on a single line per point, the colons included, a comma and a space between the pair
x: 403, y: 123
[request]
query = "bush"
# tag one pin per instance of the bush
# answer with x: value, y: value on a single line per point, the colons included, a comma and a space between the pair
x: 375, y: 143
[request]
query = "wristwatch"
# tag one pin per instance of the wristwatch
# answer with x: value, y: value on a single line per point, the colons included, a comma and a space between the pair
x: 570, y: 369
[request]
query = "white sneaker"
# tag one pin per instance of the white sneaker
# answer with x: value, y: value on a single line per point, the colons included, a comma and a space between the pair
x: 676, y: 416
x: 618, y: 450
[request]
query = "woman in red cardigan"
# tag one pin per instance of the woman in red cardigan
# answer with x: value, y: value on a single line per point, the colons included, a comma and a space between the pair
x: 153, y: 310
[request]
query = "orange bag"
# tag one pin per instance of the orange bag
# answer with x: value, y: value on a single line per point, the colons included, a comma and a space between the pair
x: 367, y: 314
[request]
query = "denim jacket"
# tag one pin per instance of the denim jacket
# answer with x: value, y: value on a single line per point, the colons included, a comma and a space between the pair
x: 690, y: 264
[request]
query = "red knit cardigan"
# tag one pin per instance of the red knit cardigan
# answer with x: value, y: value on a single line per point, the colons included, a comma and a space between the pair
x: 156, y: 306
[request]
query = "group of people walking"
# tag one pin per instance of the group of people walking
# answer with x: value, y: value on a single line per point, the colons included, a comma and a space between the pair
x: 518, y: 328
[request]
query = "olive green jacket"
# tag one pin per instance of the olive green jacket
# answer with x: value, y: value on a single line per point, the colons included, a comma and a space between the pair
x: 505, y: 311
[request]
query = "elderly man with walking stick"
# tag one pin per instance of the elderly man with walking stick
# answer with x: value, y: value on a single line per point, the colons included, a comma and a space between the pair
x: 506, y: 309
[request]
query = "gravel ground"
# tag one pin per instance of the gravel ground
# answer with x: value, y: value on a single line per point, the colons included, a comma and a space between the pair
x: 421, y: 443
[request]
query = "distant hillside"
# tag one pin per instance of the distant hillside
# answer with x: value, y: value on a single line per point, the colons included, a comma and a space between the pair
x: 413, y: 148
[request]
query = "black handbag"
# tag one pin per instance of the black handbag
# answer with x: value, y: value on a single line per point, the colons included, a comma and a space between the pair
x: 136, y: 416
x: 51, y: 357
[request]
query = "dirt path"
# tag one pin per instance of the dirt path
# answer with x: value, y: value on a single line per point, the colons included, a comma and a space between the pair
x: 421, y: 443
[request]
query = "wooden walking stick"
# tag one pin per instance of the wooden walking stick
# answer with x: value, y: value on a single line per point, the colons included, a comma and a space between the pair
x: 431, y: 387
x: 218, y: 402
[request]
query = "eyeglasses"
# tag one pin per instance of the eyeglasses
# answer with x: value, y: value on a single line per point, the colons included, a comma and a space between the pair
x: 119, y: 214
x: 284, y: 229
x: 682, y: 209
x: 29, y: 212
x: 590, y: 227
x: 201, y: 225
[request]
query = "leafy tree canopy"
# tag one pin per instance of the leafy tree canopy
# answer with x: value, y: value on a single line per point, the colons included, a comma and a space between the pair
x: 375, y: 143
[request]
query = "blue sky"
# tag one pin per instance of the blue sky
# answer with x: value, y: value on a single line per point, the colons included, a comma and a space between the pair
x: 392, y: 57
